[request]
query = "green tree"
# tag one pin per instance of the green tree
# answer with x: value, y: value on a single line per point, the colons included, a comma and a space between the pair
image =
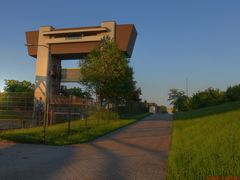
x: 18, y: 86
x: 78, y: 92
x: 182, y: 103
x: 233, y: 93
x: 136, y: 95
x: 208, y: 97
x: 179, y: 100
x: 174, y: 94
x: 106, y: 72
x: 163, y: 109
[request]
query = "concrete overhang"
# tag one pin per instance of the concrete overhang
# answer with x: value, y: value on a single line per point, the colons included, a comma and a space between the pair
x: 75, y: 31
x: 125, y: 37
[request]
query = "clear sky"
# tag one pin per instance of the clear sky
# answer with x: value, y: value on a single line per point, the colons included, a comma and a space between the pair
x: 198, y: 40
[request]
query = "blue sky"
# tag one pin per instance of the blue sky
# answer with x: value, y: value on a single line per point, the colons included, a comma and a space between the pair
x: 198, y: 40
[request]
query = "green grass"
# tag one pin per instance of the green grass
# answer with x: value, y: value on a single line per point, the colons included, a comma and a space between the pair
x: 58, y: 134
x: 206, y: 142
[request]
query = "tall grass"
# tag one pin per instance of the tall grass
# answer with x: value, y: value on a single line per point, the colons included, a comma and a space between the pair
x: 104, y: 114
x: 206, y: 142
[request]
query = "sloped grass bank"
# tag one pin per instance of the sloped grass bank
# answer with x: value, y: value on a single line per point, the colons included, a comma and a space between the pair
x: 81, y: 131
x: 206, y: 142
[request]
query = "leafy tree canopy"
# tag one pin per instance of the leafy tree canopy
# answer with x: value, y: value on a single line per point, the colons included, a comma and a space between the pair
x: 136, y: 95
x: 174, y: 94
x: 163, y: 109
x: 233, y: 93
x: 208, y: 97
x: 179, y: 100
x: 106, y: 72
x: 78, y: 92
x: 18, y: 86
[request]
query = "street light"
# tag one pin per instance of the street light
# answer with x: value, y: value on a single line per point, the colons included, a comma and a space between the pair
x: 46, y: 107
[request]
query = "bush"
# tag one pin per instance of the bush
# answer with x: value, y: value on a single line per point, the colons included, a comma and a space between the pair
x: 18, y: 86
x: 104, y: 114
x: 209, y: 97
x: 182, y: 103
x: 233, y: 93
x: 163, y: 109
x: 202, y: 99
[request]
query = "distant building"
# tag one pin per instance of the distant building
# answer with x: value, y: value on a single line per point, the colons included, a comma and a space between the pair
x: 170, y: 110
x: 153, y: 107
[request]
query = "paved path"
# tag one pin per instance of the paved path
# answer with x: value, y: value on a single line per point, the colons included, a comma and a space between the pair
x: 136, y: 152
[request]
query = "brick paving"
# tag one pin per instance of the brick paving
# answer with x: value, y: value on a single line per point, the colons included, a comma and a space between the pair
x: 138, y: 151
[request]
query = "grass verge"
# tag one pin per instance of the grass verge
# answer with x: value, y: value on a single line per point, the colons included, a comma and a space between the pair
x: 81, y: 131
x: 206, y: 142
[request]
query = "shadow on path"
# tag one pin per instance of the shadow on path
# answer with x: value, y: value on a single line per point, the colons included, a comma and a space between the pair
x: 31, y: 161
x: 138, y: 151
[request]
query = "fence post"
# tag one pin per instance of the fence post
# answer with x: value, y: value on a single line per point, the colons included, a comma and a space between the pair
x: 25, y: 110
x: 69, y: 111
x: 7, y: 102
x: 51, y: 116
x: 69, y: 122
x: 86, y: 121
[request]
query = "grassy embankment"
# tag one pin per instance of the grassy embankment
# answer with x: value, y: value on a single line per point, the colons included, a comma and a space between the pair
x: 206, y: 142
x: 58, y: 134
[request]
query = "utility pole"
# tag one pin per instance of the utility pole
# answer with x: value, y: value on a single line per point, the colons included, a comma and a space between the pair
x: 187, y: 87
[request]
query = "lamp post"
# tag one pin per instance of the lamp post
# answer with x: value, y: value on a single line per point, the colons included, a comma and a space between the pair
x: 46, y: 106
x: 187, y: 87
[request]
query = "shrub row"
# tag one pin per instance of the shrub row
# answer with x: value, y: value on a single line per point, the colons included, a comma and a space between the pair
x: 208, y: 97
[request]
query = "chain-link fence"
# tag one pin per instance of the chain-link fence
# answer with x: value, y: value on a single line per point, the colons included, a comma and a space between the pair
x: 16, y: 110
x: 132, y: 107
x: 22, y: 110
x: 65, y: 108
